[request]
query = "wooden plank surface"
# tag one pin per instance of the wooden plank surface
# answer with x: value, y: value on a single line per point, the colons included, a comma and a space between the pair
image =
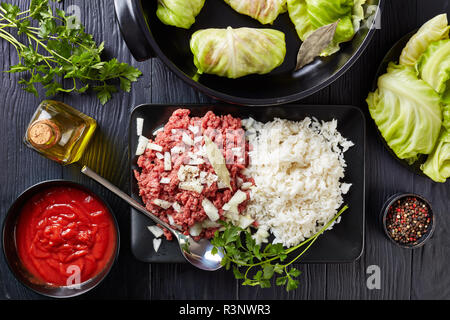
x: 419, y: 274
x: 429, y: 278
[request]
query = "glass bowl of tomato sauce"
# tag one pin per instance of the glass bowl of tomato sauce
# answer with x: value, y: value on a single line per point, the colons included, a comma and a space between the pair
x: 60, y: 239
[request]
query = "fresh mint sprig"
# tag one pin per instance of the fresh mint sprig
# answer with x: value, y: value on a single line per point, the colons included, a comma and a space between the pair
x: 256, y: 265
x: 56, y: 48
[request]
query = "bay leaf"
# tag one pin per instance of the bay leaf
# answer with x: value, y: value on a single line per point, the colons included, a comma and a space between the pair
x: 316, y: 42
x: 217, y: 161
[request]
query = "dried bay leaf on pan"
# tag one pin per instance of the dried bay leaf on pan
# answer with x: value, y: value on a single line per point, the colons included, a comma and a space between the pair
x: 313, y: 46
x: 217, y: 161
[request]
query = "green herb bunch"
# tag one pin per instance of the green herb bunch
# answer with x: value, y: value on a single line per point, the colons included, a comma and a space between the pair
x: 57, y: 48
x: 256, y: 265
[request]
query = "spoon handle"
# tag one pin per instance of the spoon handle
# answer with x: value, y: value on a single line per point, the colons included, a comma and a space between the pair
x: 108, y: 185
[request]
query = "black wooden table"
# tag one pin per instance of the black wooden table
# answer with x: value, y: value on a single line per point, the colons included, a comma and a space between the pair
x: 405, y: 274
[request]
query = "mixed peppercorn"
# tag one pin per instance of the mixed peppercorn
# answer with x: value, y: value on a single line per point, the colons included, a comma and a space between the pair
x: 408, y: 220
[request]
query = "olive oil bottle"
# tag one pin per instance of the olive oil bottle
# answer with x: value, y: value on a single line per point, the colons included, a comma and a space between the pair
x: 59, y: 132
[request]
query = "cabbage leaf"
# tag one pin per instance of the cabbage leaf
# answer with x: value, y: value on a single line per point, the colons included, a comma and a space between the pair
x: 324, y: 12
x: 437, y: 166
x: 358, y: 14
x: 235, y: 53
x: 433, y: 30
x: 434, y: 68
x: 179, y: 13
x: 298, y: 12
x: 265, y: 11
x: 407, y: 112
x: 309, y: 15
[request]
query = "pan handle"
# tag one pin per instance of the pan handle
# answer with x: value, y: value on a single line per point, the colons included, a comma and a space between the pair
x: 134, y: 29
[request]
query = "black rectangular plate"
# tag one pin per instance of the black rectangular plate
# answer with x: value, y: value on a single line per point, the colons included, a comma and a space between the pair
x: 343, y: 244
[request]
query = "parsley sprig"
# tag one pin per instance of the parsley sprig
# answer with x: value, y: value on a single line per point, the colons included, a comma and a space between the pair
x: 256, y: 265
x: 56, y: 47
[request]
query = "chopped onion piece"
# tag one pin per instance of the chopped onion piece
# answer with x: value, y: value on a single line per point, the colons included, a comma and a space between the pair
x: 162, y: 203
x: 210, y: 224
x: 191, y: 186
x: 261, y: 235
x: 194, y: 129
x: 235, y: 201
x: 210, y: 179
x: 172, y: 222
x: 246, y: 185
x: 177, y: 150
x: 195, y: 161
x: 345, y: 187
x: 157, y: 231
x: 167, y: 161
x: 211, y: 211
x: 195, y: 230
x: 201, y: 152
x: 221, y: 185
x: 187, y: 173
x: 156, y: 244
x: 187, y: 139
x: 203, y: 175
x: 165, y: 180
x: 139, y: 126
x: 159, y: 155
x: 142, y: 145
x: 153, y: 146
x: 176, y: 206
x: 245, y: 221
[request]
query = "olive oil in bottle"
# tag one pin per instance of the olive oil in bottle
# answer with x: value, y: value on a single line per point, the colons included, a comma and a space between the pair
x: 59, y: 132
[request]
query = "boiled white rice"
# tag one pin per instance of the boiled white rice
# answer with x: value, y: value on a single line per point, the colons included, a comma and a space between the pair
x: 297, y: 167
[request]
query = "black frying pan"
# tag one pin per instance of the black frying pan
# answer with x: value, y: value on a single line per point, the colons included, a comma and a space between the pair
x: 147, y: 37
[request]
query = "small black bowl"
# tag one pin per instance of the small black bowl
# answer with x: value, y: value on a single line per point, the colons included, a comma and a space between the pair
x: 14, y: 262
x: 427, y: 235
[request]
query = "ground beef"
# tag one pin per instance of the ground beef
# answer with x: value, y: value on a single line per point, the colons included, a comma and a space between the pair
x: 225, y: 131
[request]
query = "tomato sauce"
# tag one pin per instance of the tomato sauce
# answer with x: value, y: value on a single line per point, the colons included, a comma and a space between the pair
x: 64, y: 232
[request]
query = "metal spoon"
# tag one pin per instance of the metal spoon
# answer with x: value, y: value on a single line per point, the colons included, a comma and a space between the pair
x: 198, y: 253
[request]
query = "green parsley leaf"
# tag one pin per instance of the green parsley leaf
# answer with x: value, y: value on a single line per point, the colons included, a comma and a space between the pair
x: 59, y: 48
x: 260, y: 262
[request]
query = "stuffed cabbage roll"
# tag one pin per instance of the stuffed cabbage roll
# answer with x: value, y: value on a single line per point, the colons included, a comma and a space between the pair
x: 179, y: 13
x: 309, y: 15
x: 265, y: 11
x: 235, y: 53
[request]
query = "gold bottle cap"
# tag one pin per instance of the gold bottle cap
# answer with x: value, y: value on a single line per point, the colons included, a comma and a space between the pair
x: 43, y: 134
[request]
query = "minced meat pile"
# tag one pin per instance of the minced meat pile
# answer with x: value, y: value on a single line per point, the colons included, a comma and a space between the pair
x: 175, y: 174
